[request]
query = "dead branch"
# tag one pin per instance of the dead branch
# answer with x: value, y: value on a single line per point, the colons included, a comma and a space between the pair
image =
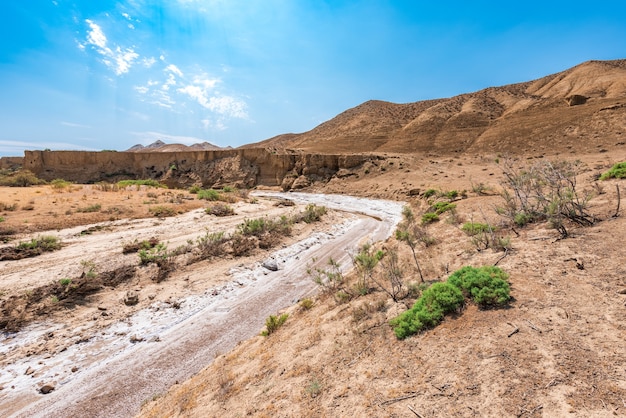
x: 414, y: 411
x: 401, y: 398
x: 533, y: 326
x: 515, y: 331
x: 619, y: 199
x: 506, y: 252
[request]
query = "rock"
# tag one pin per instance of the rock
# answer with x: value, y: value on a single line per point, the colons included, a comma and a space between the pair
x: 301, y: 182
x: 47, y: 388
x: 29, y: 371
x: 576, y: 99
x: 413, y: 192
x: 343, y: 173
x: 131, y: 298
x: 74, y: 369
x: 622, y: 291
x: 135, y: 339
x: 270, y: 264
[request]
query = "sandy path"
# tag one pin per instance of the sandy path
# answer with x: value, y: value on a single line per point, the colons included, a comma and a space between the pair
x: 178, y: 343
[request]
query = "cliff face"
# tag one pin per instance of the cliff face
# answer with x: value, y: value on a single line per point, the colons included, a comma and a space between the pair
x: 240, y: 168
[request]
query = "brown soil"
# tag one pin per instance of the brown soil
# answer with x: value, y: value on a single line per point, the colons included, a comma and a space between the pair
x: 557, y: 350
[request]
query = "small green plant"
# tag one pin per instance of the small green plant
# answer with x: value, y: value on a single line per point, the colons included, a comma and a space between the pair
x: 313, y: 213
x: 133, y: 247
x: 153, y: 255
x: 23, y: 178
x: 429, y: 217
x: 618, y: 171
x: 429, y: 193
x: 209, y: 194
x: 90, y: 209
x: 306, y: 303
x: 7, y: 207
x: 162, y: 211
x: 314, y: 388
x: 474, y: 228
x: 60, y: 184
x: 2, y: 219
x: 441, y: 207
x: 211, y: 244
x: 89, y: 269
x: 451, y: 195
x: 65, y: 281
x: 255, y: 226
x: 195, y: 189
x: 40, y: 244
x: 272, y: 323
x: 228, y: 189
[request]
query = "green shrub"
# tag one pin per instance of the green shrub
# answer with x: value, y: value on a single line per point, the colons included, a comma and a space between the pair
x: 162, y: 211
x: 313, y: 213
x: 618, y: 171
x: 441, y: 207
x: 194, y: 189
x: 428, y: 310
x: 65, y: 281
x: 306, y: 304
x: 156, y: 254
x: 429, y: 193
x: 60, y: 184
x: 23, y: 178
x: 228, y: 189
x: 474, y: 228
x: 209, y: 194
x: 90, y: 209
x: 273, y: 322
x: 452, y: 194
x: 486, y: 286
x: 429, y: 217
x: 42, y: 244
x: 220, y: 209
x: 254, y: 226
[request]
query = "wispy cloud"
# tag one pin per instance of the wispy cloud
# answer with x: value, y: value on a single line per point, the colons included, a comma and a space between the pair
x: 119, y: 59
x: 18, y: 147
x: 75, y: 125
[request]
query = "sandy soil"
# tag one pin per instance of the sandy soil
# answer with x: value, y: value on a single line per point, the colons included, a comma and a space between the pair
x: 105, y: 358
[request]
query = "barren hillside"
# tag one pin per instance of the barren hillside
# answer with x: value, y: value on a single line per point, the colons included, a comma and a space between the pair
x: 580, y: 109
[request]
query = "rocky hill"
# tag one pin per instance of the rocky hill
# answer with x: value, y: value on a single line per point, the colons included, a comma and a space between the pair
x: 581, y: 108
x: 160, y: 146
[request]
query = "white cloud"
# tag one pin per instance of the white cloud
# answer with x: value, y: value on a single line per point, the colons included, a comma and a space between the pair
x: 148, y: 62
x: 127, y: 16
x: 18, y: 147
x: 174, y: 69
x: 141, y: 89
x: 75, y: 125
x: 120, y: 60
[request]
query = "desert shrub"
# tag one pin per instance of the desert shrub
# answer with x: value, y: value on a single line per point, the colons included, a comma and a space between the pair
x: 441, y: 207
x: 429, y: 193
x: 90, y: 209
x: 429, y: 310
x: 451, y: 195
x: 242, y: 245
x: 43, y: 243
x: 618, y: 171
x: 408, y: 232
x: 8, y: 207
x: 135, y: 246
x: 486, y: 286
x: 106, y: 187
x: 306, y: 304
x: 255, y: 226
x: 145, y: 182
x: 273, y: 322
x: 65, y: 281
x: 2, y: 219
x: 330, y: 278
x: 23, y: 178
x: 365, y: 261
x: 391, y: 277
x: 220, y: 209
x: 474, y: 228
x: 195, y: 189
x: 546, y: 191
x: 228, y: 189
x: 313, y: 213
x: 209, y: 194
x: 429, y: 217
x: 211, y: 244
x: 155, y: 254
x: 60, y: 184
x: 162, y: 211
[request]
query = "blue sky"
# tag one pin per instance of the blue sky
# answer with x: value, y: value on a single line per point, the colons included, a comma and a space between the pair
x: 85, y: 74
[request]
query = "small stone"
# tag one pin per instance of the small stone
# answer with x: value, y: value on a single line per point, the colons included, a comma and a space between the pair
x: 622, y: 291
x: 102, y: 308
x: 74, y: 369
x: 131, y: 298
x: 135, y: 339
x: 29, y: 371
x: 270, y: 264
x: 47, y: 388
